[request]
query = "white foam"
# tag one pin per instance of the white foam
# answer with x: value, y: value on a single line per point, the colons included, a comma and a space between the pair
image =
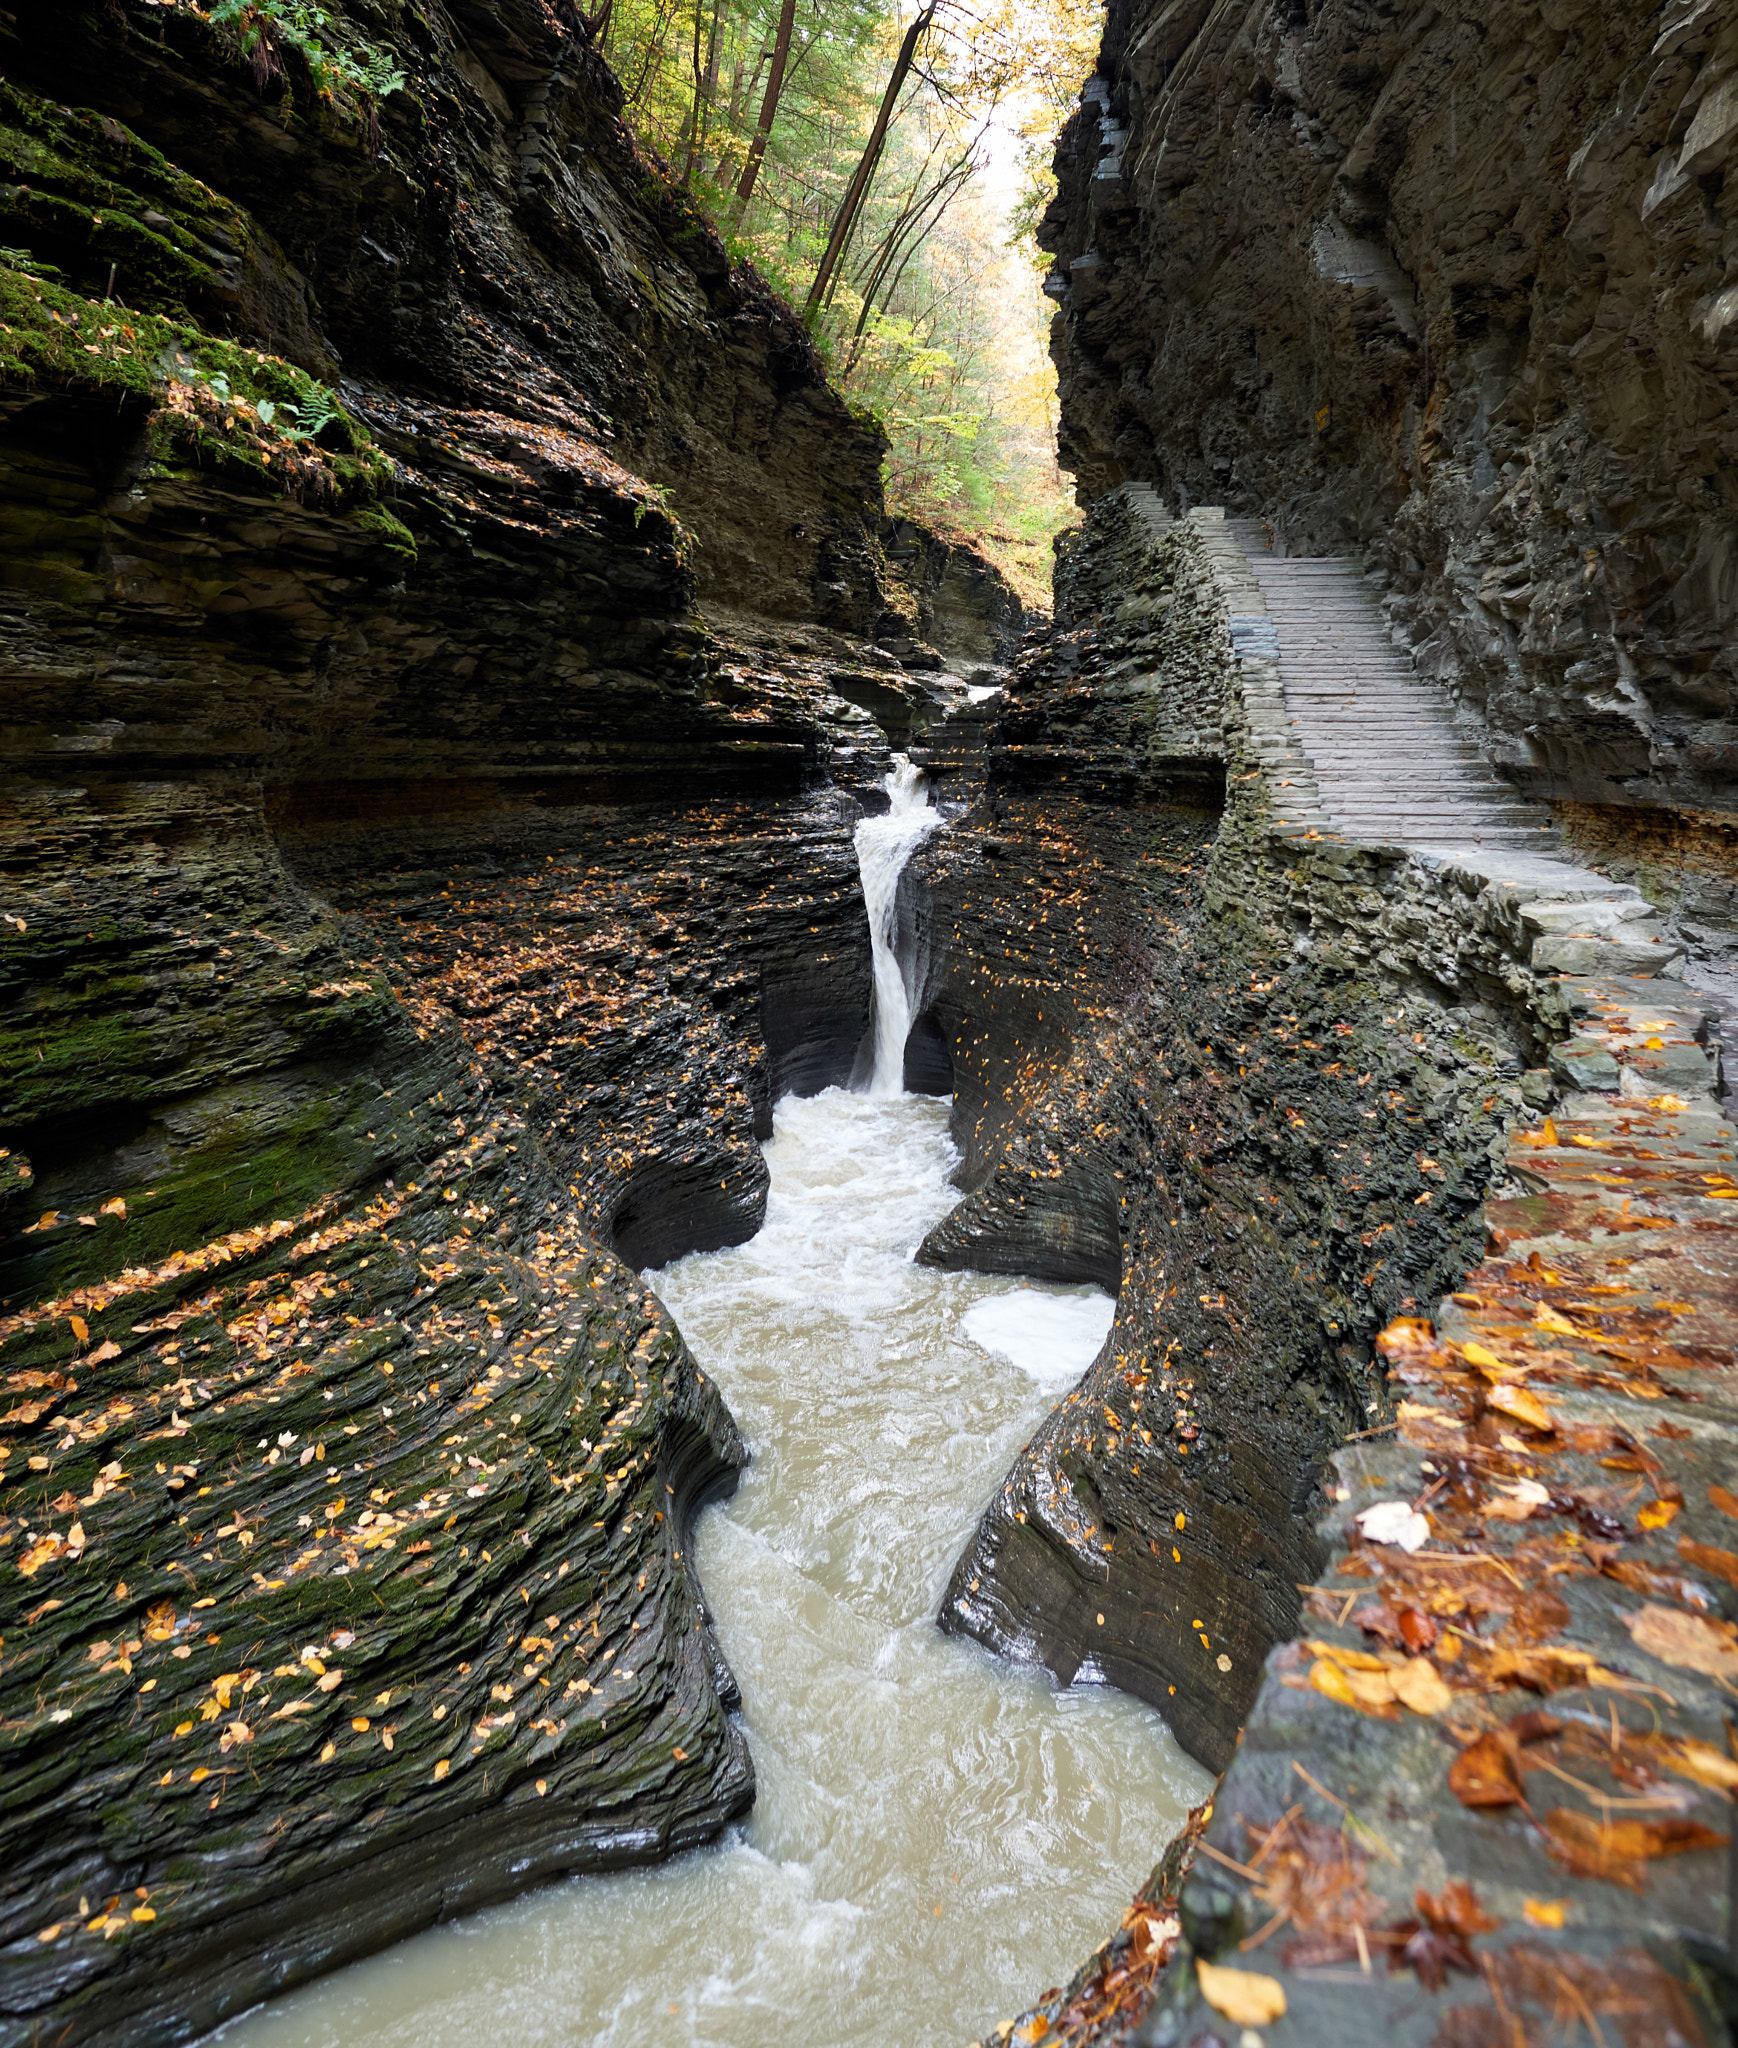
x: 1053, y: 1337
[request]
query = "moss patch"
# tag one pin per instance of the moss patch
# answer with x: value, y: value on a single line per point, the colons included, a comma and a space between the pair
x: 214, y: 403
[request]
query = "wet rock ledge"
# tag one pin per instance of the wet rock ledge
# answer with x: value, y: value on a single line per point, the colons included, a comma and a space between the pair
x: 1400, y: 1218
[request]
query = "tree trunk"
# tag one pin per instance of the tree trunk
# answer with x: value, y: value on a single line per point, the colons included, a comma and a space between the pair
x: 775, y: 82
x: 851, y: 204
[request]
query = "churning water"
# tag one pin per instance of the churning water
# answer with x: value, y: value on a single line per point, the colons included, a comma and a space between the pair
x: 884, y: 845
x: 937, y: 1835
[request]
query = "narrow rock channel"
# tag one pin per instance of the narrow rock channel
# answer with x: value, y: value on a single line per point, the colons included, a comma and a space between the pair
x: 932, y: 1825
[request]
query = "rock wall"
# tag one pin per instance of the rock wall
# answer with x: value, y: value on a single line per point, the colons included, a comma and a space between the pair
x: 414, y: 902
x: 1252, y: 1081
x: 1281, y: 1091
x: 1453, y: 287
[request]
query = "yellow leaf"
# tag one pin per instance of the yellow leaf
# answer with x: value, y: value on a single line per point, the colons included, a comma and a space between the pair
x: 1657, y: 1514
x: 1329, y: 1680
x: 329, y: 1752
x: 1244, y: 1997
x: 441, y: 1769
x: 1349, y: 1660
x: 1545, y: 1317
x: 142, y: 1913
x: 1545, y: 1912
x: 200, y: 1775
x: 1418, y: 1684
x: 1524, y: 1407
x: 118, y: 1207
x: 360, y: 1724
x: 1476, y: 1354
x: 1701, y: 1761
x: 80, y: 1328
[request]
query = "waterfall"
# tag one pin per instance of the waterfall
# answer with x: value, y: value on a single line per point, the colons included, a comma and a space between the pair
x: 884, y: 845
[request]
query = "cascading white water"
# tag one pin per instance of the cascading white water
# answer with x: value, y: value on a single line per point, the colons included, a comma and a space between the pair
x: 884, y: 845
x: 937, y: 1834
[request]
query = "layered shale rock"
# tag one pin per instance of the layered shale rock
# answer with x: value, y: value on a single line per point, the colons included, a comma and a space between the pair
x: 1275, y: 1087
x: 1453, y: 287
x: 1213, y: 1068
x: 414, y: 903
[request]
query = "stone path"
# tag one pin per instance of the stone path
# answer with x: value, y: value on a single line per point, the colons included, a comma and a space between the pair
x: 1390, y: 764
x: 1356, y: 745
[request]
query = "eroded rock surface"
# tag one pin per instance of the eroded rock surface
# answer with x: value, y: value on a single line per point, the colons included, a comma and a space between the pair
x: 414, y: 903
x: 1452, y: 287
x: 1292, y: 1098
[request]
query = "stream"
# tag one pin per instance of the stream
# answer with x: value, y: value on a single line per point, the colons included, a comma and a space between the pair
x: 937, y: 1834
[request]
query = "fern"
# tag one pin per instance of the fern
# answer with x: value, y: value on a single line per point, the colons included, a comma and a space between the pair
x: 263, y: 27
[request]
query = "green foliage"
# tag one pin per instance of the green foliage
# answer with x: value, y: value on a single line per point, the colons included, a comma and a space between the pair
x: 933, y: 329
x: 211, y: 402
x: 264, y: 28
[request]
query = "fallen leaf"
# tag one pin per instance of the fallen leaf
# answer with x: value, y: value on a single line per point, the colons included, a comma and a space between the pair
x: 1244, y: 1997
x: 1726, y: 1502
x: 1545, y: 1912
x: 1419, y: 1685
x: 1484, y: 1774
x: 1394, y: 1522
x: 1618, y: 1852
x: 80, y: 1328
x: 1689, y: 1758
x: 1657, y: 1514
x: 1329, y: 1680
x: 118, y: 1207
x: 1686, y: 1640
x: 441, y: 1769
x: 1722, y: 1563
x: 1523, y: 1406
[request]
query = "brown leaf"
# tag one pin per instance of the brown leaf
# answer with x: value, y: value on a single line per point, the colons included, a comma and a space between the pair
x: 1484, y: 1774
x: 1417, y: 1630
x: 1686, y: 1640
x: 1726, y: 1502
x: 1455, y: 1909
x: 1618, y: 1852
x: 1430, y: 1953
x: 1722, y: 1563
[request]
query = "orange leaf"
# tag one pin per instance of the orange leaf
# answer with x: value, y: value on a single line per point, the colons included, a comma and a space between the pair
x: 1524, y: 1407
x: 1722, y: 1563
x: 1484, y: 1774
x: 1618, y: 1851
x: 1657, y: 1514
x: 1726, y: 1502
x: 80, y: 1328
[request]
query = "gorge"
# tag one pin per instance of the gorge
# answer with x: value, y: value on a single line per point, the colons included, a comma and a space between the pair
x: 455, y: 650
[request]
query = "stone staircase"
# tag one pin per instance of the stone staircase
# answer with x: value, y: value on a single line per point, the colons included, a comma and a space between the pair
x: 1356, y: 745
x: 1389, y: 763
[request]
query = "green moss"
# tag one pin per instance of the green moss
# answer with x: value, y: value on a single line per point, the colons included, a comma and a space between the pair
x: 76, y: 189
x: 213, y: 401
x: 380, y: 524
